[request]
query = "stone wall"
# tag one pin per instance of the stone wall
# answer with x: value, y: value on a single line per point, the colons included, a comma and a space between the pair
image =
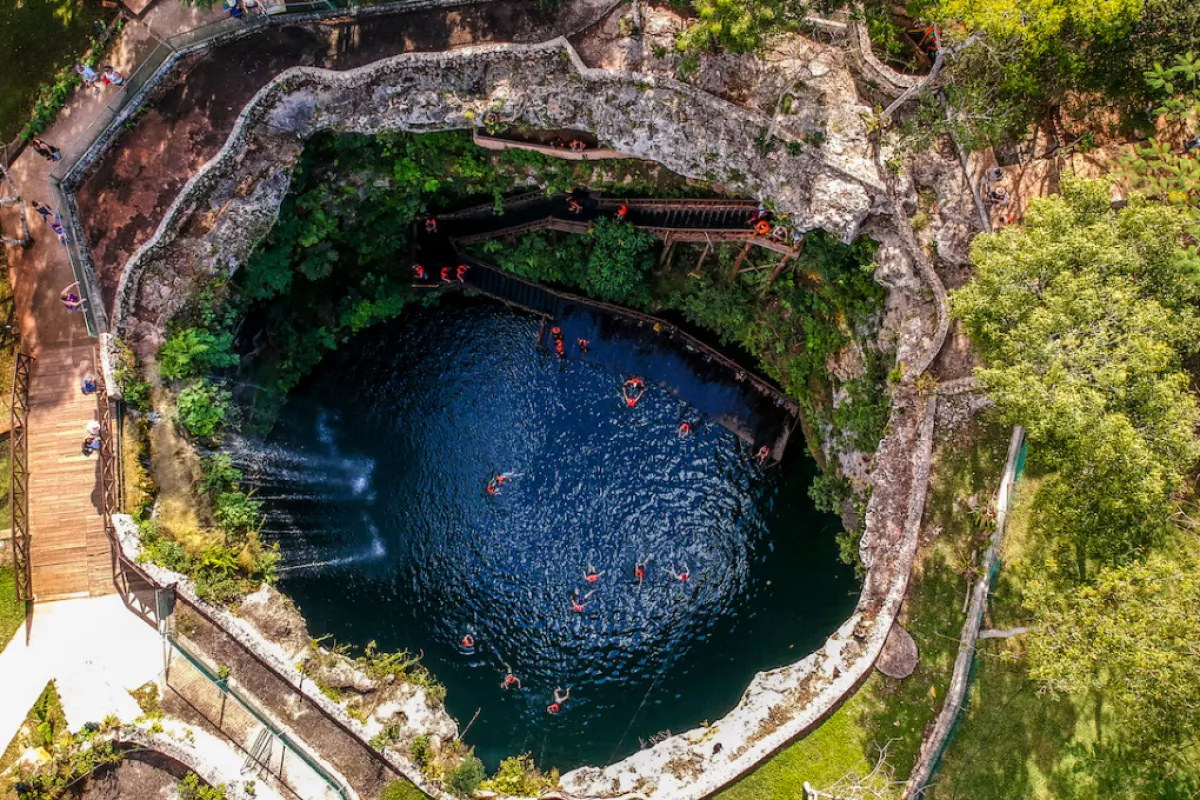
x: 227, y: 208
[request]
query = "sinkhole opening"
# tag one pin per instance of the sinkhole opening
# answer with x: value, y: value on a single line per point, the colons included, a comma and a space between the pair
x: 375, y: 480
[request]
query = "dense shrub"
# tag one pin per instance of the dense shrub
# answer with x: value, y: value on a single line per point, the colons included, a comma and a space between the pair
x: 467, y: 776
x: 190, y: 352
x: 202, y: 409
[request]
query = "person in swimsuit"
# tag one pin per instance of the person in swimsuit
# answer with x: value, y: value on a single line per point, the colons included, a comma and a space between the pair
x: 431, y: 225
x: 623, y: 211
x: 578, y: 603
x: 584, y: 344
x: 683, y: 574
x: 495, y: 483
x: 639, y: 571
x: 763, y: 453
x: 632, y: 390
x: 684, y: 430
x: 468, y: 641
x: 591, y: 575
x: 559, y: 698
x: 510, y: 680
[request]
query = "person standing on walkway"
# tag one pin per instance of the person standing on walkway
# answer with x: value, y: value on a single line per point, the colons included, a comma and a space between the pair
x: 48, y: 214
x: 46, y: 151
x: 87, y: 73
x: 111, y: 77
x: 70, y: 297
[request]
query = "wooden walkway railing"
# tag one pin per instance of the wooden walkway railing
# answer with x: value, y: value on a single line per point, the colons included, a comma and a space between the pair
x: 19, y: 476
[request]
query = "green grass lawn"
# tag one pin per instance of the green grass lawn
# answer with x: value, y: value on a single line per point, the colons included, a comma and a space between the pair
x: 37, y: 38
x: 12, y: 613
x: 886, y: 711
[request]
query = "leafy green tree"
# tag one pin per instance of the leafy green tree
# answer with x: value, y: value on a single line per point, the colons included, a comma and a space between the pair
x: 1082, y: 318
x: 621, y: 256
x: 202, y: 409
x: 1130, y: 635
x: 1042, y: 23
x: 195, y: 351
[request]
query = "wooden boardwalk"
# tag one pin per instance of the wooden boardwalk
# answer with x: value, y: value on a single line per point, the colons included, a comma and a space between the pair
x: 69, y: 553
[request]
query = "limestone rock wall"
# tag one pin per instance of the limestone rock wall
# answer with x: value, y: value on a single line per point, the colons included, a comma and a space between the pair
x: 228, y: 207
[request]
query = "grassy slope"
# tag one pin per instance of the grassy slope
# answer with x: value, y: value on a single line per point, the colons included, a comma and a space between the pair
x: 37, y: 38
x: 1013, y: 742
x: 886, y: 711
x: 12, y: 613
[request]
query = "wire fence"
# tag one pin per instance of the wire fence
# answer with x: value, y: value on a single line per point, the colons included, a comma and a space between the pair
x: 267, y: 750
x: 958, y: 698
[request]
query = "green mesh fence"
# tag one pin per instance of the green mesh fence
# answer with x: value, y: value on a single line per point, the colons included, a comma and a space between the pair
x: 992, y: 574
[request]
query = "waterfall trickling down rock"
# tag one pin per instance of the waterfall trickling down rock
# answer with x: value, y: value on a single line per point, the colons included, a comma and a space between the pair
x: 293, y: 480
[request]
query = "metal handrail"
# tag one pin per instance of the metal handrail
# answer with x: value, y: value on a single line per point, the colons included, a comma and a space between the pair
x: 19, y: 476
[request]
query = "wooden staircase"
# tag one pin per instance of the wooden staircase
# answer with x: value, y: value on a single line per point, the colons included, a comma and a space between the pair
x: 69, y: 551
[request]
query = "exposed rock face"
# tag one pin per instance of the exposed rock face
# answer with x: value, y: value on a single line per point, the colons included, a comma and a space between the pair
x: 832, y: 183
x: 231, y: 204
x: 899, y: 656
x: 277, y: 619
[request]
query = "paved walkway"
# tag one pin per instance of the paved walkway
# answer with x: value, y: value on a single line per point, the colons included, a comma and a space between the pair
x: 93, y: 648
x: 70, y: 556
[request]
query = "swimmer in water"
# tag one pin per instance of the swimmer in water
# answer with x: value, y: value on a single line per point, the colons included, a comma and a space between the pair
x: 584, y: 344
x: 495, y: 483
x: 559, y: 698
x: 468, y: 641
x: 683, y: 574
x: 591, y: 575
x: 639, y: 571
x: 684, y: 430
x: 632, y: 390
x: 578, y: 604
x: 510, y: 680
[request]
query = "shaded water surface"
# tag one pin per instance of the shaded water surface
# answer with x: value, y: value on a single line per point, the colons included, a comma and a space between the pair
x: 376, y: 486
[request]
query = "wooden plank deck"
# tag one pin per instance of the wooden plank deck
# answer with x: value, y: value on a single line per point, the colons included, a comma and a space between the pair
x: 69, y: 553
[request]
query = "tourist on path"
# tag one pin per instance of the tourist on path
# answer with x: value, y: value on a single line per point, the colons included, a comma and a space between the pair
x: 48, y: 213
x: 46, y: 151
x: 70, y: 297
x: 89, y: 74
x: 111, y: 77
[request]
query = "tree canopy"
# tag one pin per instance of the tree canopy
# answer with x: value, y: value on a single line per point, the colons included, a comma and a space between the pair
x: 1132, y: 635
x: 1082, y: 318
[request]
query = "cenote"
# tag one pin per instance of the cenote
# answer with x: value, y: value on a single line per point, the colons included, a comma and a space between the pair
x: 375, y: 480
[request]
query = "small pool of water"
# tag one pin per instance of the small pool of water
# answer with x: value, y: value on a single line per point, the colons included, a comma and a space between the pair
x: 376, y: 483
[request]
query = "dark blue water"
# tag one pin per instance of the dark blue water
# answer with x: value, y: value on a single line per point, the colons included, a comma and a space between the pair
x: 376, y: 485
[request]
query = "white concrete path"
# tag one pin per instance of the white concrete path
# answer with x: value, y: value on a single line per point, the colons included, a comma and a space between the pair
x: 94, y: 648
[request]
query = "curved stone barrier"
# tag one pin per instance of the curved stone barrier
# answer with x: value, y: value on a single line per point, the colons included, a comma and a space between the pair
x: 887, y: 79
x: 230, y: 205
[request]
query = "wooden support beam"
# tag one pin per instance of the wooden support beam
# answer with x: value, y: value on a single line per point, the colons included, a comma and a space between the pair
x: 700, y: 263
x: 737, y: 265
x: 668, y: 248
